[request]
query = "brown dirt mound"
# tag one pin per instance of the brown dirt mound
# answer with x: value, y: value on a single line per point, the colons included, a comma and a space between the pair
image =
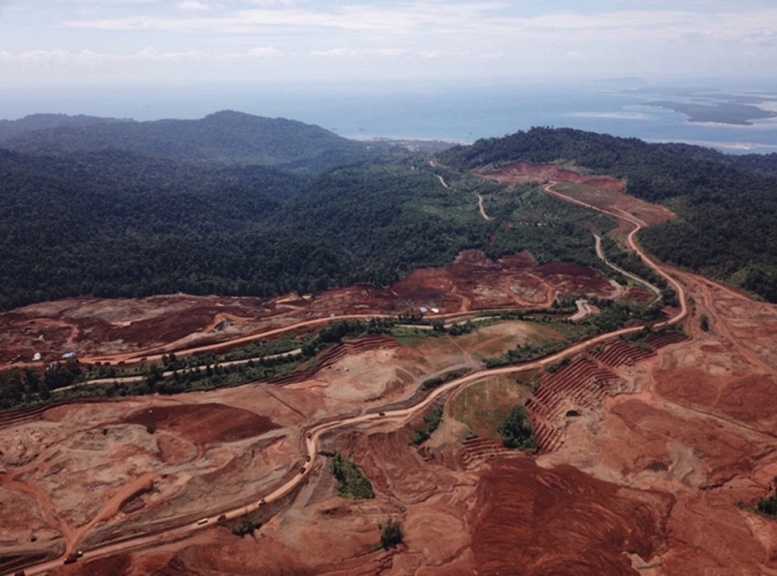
x: 562, y: 521
x: 203, y: 423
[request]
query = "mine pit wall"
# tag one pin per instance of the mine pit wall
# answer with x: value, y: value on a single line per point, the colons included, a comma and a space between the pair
x: 584, y: 384
x: 15, y: 417
x: 134, y: 527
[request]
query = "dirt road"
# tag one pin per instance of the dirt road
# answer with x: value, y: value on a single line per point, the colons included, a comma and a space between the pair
x: 480, y: 198
x: 482, y: 210
x: 603, y: 258
x: 632, y: 242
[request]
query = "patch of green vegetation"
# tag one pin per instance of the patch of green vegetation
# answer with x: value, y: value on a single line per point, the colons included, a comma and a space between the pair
x: 630, y: 262
x: 516, y: 430
x: 639, y: 339
x: 433, y: 421
x: 391, y: 534
x: 482, y: 405
x: 437, y: 381
x: 246, y: 526
x: 765, y: 506
x: 351, y: 483
x: 614, y: 315
x: 526, y: 353
x: 558, y: 365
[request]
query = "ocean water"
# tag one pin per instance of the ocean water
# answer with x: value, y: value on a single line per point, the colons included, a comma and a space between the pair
x: 443, y: 111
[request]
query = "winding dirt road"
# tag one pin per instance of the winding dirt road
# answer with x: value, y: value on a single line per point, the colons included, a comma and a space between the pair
x: 632, y: 242
x: 480, y: 198
x: 482, y: 210
x: 603, y: 258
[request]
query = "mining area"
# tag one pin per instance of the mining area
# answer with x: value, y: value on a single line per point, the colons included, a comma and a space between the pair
x: 650, y: 452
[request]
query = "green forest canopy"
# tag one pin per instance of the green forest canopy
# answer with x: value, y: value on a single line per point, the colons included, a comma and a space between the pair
x: 116, y: 217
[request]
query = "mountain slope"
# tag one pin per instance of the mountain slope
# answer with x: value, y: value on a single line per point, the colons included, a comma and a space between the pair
x: 34, y: 122
x: 726, y: 206
x: 227, y: 137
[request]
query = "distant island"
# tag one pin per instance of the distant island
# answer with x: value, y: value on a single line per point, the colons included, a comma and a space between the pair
x: 722, y: 113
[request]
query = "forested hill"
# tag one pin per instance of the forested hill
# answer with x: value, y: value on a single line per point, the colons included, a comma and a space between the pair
x: 116, y: 223
x: 33, y: 122
x: 227, y: 137
x: 727, y: 205
x: 180, y: 213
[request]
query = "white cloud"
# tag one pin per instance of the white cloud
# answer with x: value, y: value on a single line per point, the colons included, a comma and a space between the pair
x: 497, y: 38
x: 350, y: 53
x: 262, y: 52
x: 610, y: 115
x: 148, y: 54
x: 193, y: 5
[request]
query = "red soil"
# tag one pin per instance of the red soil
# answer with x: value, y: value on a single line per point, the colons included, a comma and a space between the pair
x: 603, y: 192
x: 130, y: 329
x: 639, y: 294
x: 113, y: 565
x: 562, y: 521
x: 525, y: 172
x: 574, y: 278
x: 203, y: 424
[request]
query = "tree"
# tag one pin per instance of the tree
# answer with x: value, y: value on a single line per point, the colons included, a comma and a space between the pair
x: 516, y: 430
x: 391, y: 534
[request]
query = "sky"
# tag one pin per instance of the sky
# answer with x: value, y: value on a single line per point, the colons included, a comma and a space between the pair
x: 62, y: 43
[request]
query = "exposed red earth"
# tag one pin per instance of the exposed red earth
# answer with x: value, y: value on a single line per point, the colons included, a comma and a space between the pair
x: 646, y: 449
x: 131, y: 330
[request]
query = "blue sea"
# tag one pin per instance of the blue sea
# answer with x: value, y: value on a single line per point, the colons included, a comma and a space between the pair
x: 442, y: 110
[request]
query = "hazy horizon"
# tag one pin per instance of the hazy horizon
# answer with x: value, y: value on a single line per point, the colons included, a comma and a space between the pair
x: 445, y: 111
x: 456, y: 70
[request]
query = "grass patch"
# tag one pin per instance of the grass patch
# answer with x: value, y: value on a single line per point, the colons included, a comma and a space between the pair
x: 436, y: 382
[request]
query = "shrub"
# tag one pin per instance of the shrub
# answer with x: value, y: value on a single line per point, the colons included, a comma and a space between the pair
x: 391, y: 534
x: 351, y: 483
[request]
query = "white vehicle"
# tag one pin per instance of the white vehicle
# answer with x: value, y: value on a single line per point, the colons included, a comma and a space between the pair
x: 202, y: 521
